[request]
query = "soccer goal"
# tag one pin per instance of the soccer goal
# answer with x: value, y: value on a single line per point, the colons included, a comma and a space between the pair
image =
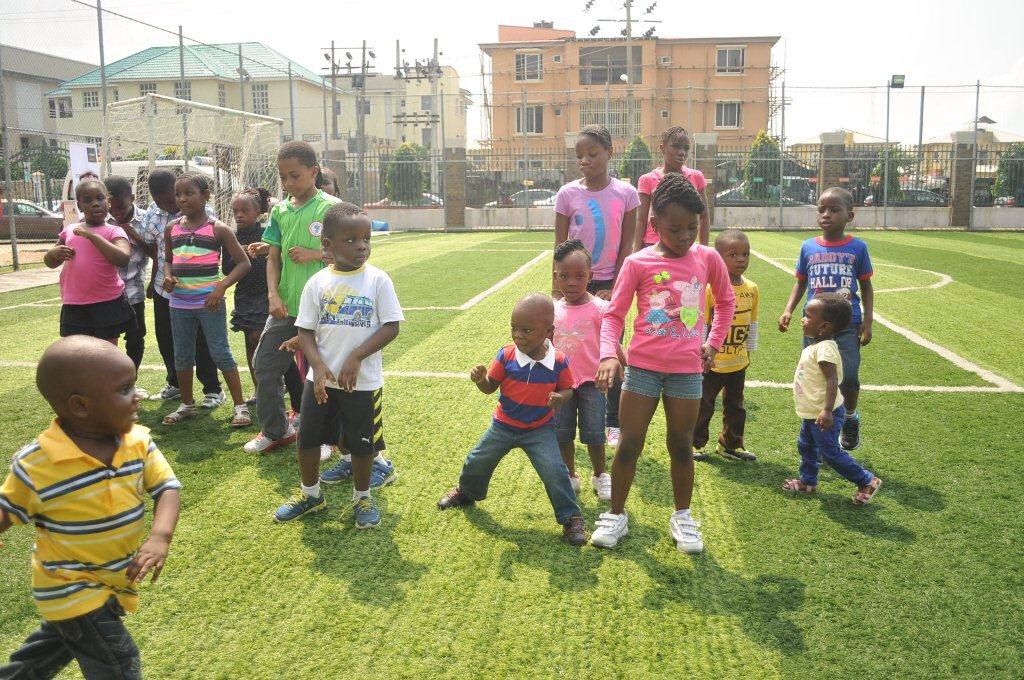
x: 235, y: 149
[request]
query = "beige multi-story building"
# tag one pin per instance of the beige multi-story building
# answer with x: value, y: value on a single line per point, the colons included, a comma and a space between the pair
x: 547, y: 83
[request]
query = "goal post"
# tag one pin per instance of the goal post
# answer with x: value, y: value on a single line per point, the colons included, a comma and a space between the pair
x: 235, y: 149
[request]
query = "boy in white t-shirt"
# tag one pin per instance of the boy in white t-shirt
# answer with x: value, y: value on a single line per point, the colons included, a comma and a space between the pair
x: 347, y: 314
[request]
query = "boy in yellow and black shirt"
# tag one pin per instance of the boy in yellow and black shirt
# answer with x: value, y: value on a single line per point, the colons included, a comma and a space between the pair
x: 729, y: 370
x: 83, y: 484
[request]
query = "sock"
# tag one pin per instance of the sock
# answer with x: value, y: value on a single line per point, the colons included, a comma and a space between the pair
x: 356, y: 494
x: 380, y: 458
x: 347, y: 456
x: 851, y: 415
x: 684, y: 513
x: 311, y: 491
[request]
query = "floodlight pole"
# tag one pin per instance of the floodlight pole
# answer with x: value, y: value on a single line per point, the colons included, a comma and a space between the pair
x: 885, y: 167
x: 974, y: 168
x: 8, y: 187
x: 184, y: 109
x: 105, y: 146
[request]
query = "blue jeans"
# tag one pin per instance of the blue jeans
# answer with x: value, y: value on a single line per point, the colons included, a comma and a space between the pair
x: 542, y: 450
x: 849, y: 351
x: 185, y: 324
x: 586, y: 405
x: 98, y: 641
x: 812, y: 441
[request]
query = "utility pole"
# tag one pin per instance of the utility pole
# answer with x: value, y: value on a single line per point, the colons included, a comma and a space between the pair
x: 103, y: 90
x: 629, y: 72
x: 974, y: 166
x: 526, y: 157
x: 334, y: 95
x: 241, y: 80
x: 361, y: 128
x: 184, y: 109
x: 291, y: 98
x: 323, y: 87
x: 8, y: 187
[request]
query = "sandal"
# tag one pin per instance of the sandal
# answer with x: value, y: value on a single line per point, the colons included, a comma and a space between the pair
x: 181, y: 413
x: 864, y: 497
x: 798, y: 485
x: 240, y: 416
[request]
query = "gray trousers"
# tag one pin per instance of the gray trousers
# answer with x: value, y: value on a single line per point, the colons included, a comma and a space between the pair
x: 269, y: 363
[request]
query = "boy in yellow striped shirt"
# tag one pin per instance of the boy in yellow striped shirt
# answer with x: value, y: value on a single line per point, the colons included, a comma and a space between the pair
x: 83, y: 483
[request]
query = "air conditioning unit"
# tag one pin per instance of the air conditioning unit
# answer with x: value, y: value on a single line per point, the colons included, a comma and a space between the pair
x: 557, y: 58
x: 558, y: 110
x: 664, y: 113
x: 666, y: 61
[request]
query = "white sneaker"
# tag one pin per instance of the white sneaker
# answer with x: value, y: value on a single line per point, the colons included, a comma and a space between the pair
x: 212, y: 400
x: 326, y: 450
x: 261, y: 443
x: 166, y: 393
x: 602, y: 486
x: 686, y: 532
x: 575, y: 481
x: 608, y: 529
x: 141, y: 393
x: 611, y: 435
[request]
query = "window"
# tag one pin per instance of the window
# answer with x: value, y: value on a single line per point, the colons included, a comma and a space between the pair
x: 528, y: 66
x: 261, y: 99
x: 312, y: 138
x: 144, y: 89
x: 664, y: 113
x: 53, y: 108
x: 426, y: 137
x: 613, y: 116
x: 727, y: 114
x: 182, y: 91
x: 337, y: 107
x: 91, y: 99
x: 558, y: 111
x: 222, y: 95
x: 557, y: 58
x: 64, y: 106
x: 601, y: 65
x: 426, y: 103
x: 534, y: 119
x: 729, y: 59
x: 117, y: 97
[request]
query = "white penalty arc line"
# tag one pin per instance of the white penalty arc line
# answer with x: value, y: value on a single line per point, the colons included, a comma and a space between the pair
x: 943, y: 279
x: 949, y: 355
x: 493, y: 289
x: 37, y: 303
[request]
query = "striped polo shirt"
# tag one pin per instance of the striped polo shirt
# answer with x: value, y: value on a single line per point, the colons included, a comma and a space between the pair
x: 89, y: 517
x: 195, y: 263
x: 525, y: 385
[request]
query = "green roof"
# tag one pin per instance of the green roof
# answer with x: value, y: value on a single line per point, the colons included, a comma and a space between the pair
x: 201, y: 61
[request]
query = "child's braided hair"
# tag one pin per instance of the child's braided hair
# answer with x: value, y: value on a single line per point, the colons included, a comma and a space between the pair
x: 565, y: 248
x: 674, y: 188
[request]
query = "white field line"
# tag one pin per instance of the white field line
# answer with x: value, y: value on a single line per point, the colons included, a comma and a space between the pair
x: 943, y: 279
x: 947, y: 354
x: 37, y: 303
x: 493, y: 289
x: 761, y: 384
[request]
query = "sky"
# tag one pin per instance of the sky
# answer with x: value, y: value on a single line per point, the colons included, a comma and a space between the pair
x: 836, y: 61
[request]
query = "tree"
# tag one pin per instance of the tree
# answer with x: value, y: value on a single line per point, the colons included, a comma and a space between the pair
x: 761, y: 172
x: 635, y: 160
x: 1010, y: 172
x: 900, y: 163
x: 406, y: 180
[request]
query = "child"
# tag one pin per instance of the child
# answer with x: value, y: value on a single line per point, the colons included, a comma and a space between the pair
x: 191, y: 275
x: 161, y: 211
x: 675, y: 147
x: 815, y: 384
x: 293, y: 234
x: 249, y: 314
x: 91, y: 291
x: 534, y: 378
x: 578, y: 317
x: 837, y: 263
x: 329, y: 183
x: 665, y: 357
x: 124, y: 214
x: 601, y: 212
x: 83, y: 484
x: 729, y: 371
x: 348, y: 313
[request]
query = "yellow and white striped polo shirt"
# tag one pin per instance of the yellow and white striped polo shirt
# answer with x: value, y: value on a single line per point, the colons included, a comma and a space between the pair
x: 88, y: 517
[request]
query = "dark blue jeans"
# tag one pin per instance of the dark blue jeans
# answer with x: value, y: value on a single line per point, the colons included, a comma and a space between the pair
x: 98, y: 641
x: 812, y: 441
x: 542, y: 450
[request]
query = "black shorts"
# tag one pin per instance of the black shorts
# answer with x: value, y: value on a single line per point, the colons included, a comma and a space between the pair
x: 352, y: 419
x: 104, y: 320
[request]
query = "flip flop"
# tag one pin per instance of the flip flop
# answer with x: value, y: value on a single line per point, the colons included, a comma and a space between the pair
x: 864, y: 497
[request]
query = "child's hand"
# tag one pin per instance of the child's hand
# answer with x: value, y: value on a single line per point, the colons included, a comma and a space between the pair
x: 298, y: 254
x: 85, y: 232
x: 215, y: 299
x: 326, y: 257
x: 258, y: 249
x: 555, y: 400
x: 62, y: 253
x: 277, y: 308
x: 824, y: 420
x: 864, y: 333
x: 349, y: 373
x: 478, y: 374
x: 609, y: 369
x: 322, y: 376
x: 170, y: 282
x: 604, y: 294
x: 290, y: 345
x: 784, y: 321
x: 150, y: 557
x: 707, y: 356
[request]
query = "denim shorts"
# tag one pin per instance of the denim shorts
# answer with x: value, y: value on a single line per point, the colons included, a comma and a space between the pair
x: 654, y: 384
x: 849, y: 351
x: 587, y: 406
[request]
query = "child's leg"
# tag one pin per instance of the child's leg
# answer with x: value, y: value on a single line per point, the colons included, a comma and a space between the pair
x: 635, y: 412
x: 542, y: 450
x: 493, y: 445
x: 680, y: 416
x: 316, y: 420
x: 592, y: 408
x: 42, y: 655
x: 184, y: 326
x: 214, y: 324
x: 565, y: 432
x: 252, y: 339
x: 809, y: 463
x: 270, y: 363
x: 294, y: 380
x: 839, y: 459
x: 734, y: 415
x: 849, y: 352
x: 710, y: 388
x: 165, y: 336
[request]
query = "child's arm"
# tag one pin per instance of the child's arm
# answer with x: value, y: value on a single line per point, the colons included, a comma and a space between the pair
x: 321, y: 374
x: 153, y: 552
x: 561, y: 234
x: 723, y: 310
x: 484, y: 382
x: 867, y: 299
x: 148, y: 248
x: 5, y: 521
x: 629, y: 226
x: 824, y: 419
x: 799, y: 288
x: 375, y: 343
x: 643, y: 213
x: 612, y: 325
x: 116, y: 252
x: 559, y: 397
x: 230, y: 243
x: 277, y: 308
x: 58, y: 254
x: 170, y: 281
x: 300, y: 255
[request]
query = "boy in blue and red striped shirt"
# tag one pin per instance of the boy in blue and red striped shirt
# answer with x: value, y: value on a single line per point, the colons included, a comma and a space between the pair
x: 534, y: 379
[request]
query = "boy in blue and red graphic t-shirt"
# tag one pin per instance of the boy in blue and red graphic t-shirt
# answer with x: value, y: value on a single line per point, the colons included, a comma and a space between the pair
x: 838, y: 263
x: 534, y: 379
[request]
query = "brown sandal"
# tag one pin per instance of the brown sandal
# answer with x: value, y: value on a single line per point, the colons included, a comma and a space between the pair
x: 864, y: 497
x: 797, y: 485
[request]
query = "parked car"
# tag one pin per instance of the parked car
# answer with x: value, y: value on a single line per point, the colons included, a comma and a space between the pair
x: 910, y: 197
x: 426, y: 201
x: 1006, y: 202
x: 32, y: 220
x: 524, y: 198
x: 734, y: 198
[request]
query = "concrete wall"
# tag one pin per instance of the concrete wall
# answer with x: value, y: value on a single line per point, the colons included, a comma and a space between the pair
x: 400, y: 219
x: 999, y: 218
x: 796, y: 217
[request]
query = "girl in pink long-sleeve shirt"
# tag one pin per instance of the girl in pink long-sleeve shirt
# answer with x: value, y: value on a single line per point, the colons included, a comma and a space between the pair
x: 666, y: 359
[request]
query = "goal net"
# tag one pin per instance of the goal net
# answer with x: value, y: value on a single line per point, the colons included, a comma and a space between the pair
x: 235, y: 149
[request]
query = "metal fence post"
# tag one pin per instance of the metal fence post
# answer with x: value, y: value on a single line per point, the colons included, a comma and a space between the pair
x: 8, y: 187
